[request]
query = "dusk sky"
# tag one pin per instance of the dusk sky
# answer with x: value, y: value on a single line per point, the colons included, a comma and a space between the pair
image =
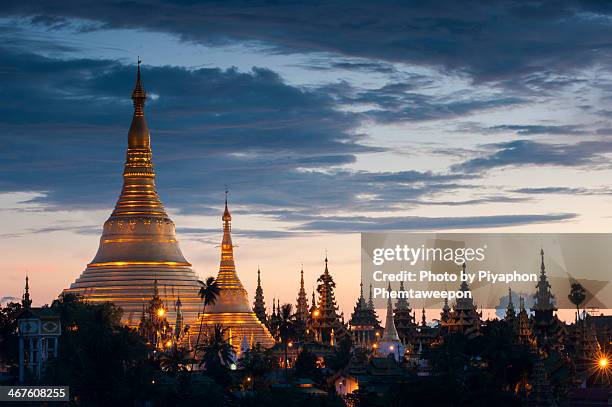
x: 323, y: 121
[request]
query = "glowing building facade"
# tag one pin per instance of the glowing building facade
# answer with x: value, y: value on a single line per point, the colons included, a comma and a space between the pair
x: 138, y: 245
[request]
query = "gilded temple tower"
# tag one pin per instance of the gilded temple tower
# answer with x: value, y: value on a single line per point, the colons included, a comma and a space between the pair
x: 138, y: 244
x: 232, y: 309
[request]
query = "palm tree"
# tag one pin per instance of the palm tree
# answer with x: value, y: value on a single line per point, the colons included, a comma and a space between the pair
x: 216, y: 349
x: 577, y: 296
x: 286, y: 328
x: 209, y: 292
x: 175, y: 360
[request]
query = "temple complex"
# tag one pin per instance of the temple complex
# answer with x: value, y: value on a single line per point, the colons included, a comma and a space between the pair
x: 232, y: 309
x: 138, y: 247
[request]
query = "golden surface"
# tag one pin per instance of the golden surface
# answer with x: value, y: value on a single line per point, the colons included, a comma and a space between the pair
x: 138, y: 243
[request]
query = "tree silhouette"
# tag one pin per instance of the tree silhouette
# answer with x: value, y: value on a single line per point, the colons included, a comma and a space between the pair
x: 209, y: 292
x: 577, y: 296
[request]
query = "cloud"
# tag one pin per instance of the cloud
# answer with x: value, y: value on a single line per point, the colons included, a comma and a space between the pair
x: 563, y: 191
x: 527, y: 153
x: 490, y: 41
x: 275, y: 145
x: 536, y: 129
x: 415, y: 223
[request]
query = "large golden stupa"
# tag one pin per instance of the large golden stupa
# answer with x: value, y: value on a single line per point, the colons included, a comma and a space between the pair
x: 232, y: 309
x: 138, y: 246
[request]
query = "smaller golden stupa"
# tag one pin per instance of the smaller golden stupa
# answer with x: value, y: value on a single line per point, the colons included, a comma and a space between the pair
x: 232, y: 309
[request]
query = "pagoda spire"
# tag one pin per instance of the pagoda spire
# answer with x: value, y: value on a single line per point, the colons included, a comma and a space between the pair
x: 544, y: 299
x: 302, y: 301
x: 139, y: 196
x: 390, y: 332
x: 227, y: 278
x: 510, y: 311
x: 259, y: 306
x: 370, y: 299
x: 178, y: 325
x: 26, y: 302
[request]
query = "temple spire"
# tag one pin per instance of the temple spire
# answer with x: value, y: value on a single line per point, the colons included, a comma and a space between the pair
x: 26, y: 302
x: 259, y: 306
x: 390, y: 332
x: 227, y: 278
x: 139, y: 196
x: 370, y: 299
x: 138, y: 135
x: 302, y: 300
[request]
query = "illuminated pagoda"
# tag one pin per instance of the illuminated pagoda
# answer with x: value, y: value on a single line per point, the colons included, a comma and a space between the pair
x: 548, y: 329
x: 464, y: 318
x: 403, y: 318
x: 232, y: 309
x: 259, y: 306
x: 138, y: 244
x: 325, y: 317
x: 364, y: 323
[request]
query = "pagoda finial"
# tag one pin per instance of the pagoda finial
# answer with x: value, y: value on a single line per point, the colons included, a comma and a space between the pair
x: 26, y: 302
x: 138, y: 135
x: 542, y: 267
x: 370, y: 299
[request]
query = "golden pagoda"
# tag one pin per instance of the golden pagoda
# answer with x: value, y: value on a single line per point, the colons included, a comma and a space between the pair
x: 138, y: 245
x: 232, y: 309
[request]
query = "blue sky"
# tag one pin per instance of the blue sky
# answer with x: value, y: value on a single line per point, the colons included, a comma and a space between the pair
x: 325, y: 119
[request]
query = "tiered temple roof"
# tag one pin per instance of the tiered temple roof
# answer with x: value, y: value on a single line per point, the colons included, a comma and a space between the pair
x: 325, y: 318
x: 548, y: 329
x: 464, y: 318
x: 404, y: 318
x: 364, y: 323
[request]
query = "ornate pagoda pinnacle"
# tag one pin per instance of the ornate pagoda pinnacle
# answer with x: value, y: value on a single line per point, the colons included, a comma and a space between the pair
x: 139, y: 195
x: 327, y: 317
x: 302, y: 301
x: 26, y: 302
x: 544, y: 299
x: 259, y: 306
x: 228, y: 278
x: 178, y: 325
x: 370, y: 299
x: 390, y: 332
x: 510, y: 311
x: 445, y: 314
